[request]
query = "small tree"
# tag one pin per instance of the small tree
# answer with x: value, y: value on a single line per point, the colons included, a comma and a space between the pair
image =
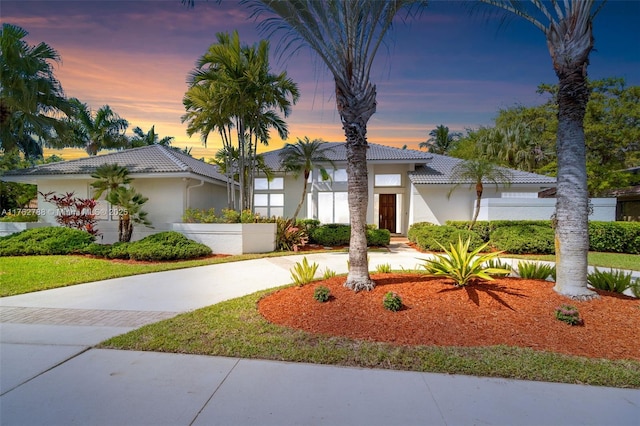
x: 129, y: 204
x: 479, y: 171
x: 74, y: 212
x: 301, y: 158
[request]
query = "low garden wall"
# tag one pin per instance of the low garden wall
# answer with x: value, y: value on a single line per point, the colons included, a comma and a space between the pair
x: 604, y: 209
x: 231, y: 238
x: 223, y: 238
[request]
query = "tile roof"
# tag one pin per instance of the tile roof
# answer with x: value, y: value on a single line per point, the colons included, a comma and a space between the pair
x: 375, y: 153
x: 148, y: 159
x: 439, y: 171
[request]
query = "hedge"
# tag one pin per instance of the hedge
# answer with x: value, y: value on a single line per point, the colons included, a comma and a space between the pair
x: 335, y: 234
x: 524, y: 239
x: 45, y: 241
x: 431, y: 238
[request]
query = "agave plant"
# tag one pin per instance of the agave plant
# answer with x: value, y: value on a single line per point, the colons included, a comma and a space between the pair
x: 461, y: 265
x: 303, y: 273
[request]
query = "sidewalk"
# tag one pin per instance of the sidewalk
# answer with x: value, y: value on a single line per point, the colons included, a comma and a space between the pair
x: 49, y: 373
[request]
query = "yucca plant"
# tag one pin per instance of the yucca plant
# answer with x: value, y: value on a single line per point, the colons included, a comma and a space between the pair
x: 611, y: 280
x: 328, y: 273
x: 303, y: 273
x: 383, y: 268
x: 461, y: 265
x: 498, y: 264
x: 536, y: 271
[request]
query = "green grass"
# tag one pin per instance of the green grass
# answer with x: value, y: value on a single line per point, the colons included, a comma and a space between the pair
x: 606, y: 260
x: 236, y: 329
x: 25, y: 274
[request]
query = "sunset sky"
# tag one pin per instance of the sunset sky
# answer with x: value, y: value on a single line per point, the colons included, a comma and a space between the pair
x: 447, y: 66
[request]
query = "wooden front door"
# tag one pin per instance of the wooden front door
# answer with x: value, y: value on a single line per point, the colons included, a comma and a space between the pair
x: 388, y: 212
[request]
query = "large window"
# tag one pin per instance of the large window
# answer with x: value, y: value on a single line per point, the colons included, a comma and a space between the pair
x: 333, y: 207
x: 265, y: 202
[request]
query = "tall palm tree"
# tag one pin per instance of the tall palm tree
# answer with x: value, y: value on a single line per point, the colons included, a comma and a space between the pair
x: 103, y: 129
x: 31, y: 98
x: 568, y: 29
x: 441, y: 140
x: 141, y: 138
x: 477, y: 172
x: 346, y: 36
x: 301, y: 158
x: 232, y: 88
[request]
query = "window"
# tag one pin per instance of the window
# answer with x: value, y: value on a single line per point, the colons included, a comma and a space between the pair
x: 265, y: 203
x: 388, y: 179
x: 333, y: 207
x: 263, y: 184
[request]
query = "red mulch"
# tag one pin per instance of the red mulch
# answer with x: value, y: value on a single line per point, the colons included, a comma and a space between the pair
x: 507, y: 311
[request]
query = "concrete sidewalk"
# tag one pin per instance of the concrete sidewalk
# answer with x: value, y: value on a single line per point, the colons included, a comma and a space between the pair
x: 49, y: 373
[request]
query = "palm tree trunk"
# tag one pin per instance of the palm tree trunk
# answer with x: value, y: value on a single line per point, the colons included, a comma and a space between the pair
x: 355, y: 111
x: 304, y: 193
x: 571, y: 238
x: 479, y: 191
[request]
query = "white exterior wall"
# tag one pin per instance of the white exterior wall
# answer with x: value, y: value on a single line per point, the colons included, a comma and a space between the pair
x: 604, y: 209
x: 429, y: 203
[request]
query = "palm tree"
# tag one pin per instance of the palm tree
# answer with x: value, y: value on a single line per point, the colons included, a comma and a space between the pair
x: 94, y: 132
x: 478, y: 172
x: 150, y: 138
x: 346, y: 36
x: 568, y: 29
x: 129, y: 204
x: 232, y: 88
x: 109, y: 177
x: 302, y: 157
x: 441, y: 140
x: 31, y: 98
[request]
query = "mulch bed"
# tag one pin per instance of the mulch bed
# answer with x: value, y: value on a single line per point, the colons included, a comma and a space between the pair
x: 507, y: 311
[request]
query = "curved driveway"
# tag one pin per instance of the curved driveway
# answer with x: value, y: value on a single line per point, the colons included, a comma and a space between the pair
x: 49, y: 373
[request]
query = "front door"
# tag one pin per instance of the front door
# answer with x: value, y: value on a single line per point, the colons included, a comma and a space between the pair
x: 388, y: 212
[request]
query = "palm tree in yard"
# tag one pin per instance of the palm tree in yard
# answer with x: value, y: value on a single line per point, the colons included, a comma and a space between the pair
x: 478, y: 171
x: 301, y: 158
x: 129, y: 204
x: 346, y: 36
x: 31, y: 98
x: 108, y: 178
x: 103, y: 129
x: 141, y: 138
x: 232, y: 90
x: 568, y: 29
x: 441, y: 140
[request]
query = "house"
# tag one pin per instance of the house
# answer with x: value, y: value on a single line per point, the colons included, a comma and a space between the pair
x: 171, y: 180
x: 405, y: 186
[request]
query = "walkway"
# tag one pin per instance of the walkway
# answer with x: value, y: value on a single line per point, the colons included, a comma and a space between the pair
x: 50, y: 374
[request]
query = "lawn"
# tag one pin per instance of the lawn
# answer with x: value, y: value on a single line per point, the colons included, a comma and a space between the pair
x: 235, y: 328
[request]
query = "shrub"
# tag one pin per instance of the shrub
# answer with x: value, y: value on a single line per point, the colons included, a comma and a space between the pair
x: 617, y: 237
x: 303, y: 273
x: 328, y: 273
x: 481, y: 227
x: 568, y: 314
x: 199, y: 216
x: 169, y: 245
x: 45, y: 241
x: 289, y: 236
x: 321, y: 294
x: 461, y: 265
x: 335, y: 234
x: 434, y: 237
x: 308, y: 224
x: 23, y: 215
x: 498, y: 264
x: 518, y: 239
x: 415, y: 229
x: 332, y: 234
x: 383, y: 268
x: 536, y: 271
x: 617, y: 281
x: 227, y: 216
x: 392, y: 302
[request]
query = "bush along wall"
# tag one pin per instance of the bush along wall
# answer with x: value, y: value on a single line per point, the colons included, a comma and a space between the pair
x: 335, y: 234
x: 530, y: 236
